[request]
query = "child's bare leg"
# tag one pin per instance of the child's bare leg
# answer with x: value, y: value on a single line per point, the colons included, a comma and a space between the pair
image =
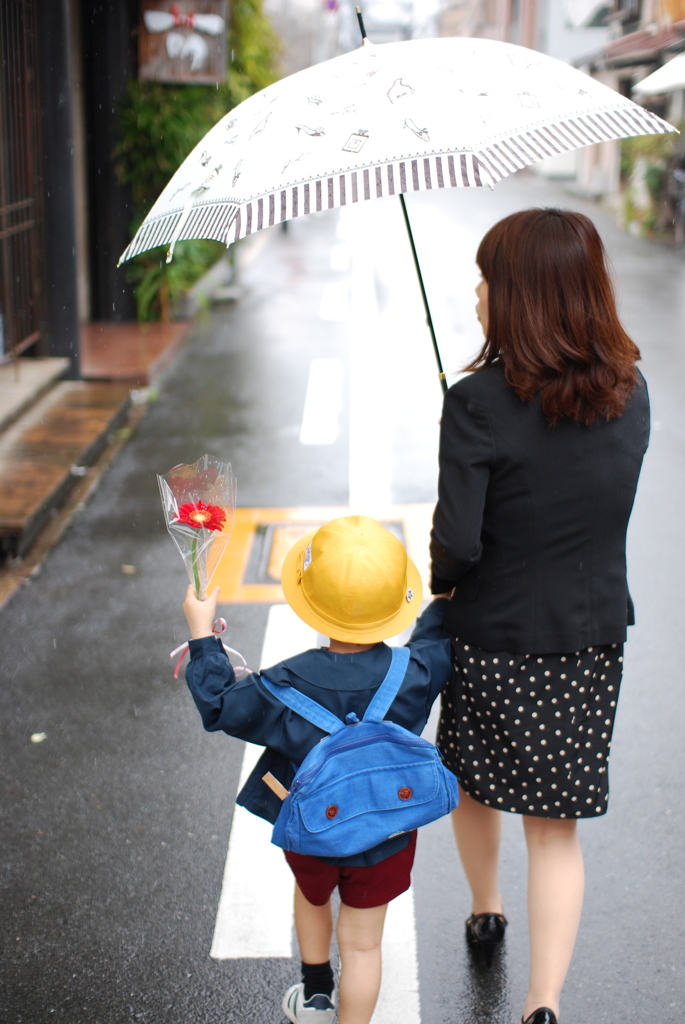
x: 314, y: 926
x: 359, y: 935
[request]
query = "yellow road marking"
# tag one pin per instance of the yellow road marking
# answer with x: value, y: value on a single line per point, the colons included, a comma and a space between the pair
x: 284, y: 526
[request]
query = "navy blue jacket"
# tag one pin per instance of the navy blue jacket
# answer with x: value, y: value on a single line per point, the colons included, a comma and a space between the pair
x: 530, y: 525
x: 339, y: 682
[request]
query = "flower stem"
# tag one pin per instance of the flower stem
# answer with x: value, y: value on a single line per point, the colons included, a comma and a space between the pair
x: 196, y: 570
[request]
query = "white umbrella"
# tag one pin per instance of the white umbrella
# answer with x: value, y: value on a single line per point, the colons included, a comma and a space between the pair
x: 668, y: 78
x: 384, y: 120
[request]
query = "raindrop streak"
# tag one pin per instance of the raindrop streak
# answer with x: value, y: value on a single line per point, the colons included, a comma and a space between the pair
x: 54, y: 643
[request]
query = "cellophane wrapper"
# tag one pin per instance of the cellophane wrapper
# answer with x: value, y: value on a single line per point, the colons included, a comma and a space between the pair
x: 212, y: 483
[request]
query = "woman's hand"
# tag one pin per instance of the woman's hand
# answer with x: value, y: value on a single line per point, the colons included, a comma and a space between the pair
x: 200, y: 614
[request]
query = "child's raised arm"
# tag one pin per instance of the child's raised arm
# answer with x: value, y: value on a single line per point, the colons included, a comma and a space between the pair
x: 200, y: 614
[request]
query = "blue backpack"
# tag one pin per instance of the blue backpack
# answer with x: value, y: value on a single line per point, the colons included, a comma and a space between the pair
x: 365, y: 782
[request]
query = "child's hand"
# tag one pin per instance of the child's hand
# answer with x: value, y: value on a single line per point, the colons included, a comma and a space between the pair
x: 200, y: 614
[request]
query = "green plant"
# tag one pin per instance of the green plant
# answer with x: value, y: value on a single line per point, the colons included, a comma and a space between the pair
x: 159, y: 286
x: 159, y: 125
x: 629, y: 210
x: 655, y: 180
x: 652, y: 148
x: 647, y: 158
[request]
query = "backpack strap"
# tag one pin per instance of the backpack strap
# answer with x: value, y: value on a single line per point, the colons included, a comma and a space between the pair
x: 326, y: 720
x: 305, y: 706
x: 387, y: 691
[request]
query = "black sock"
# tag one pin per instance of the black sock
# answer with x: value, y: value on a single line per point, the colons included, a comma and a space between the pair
x: 318, y: 979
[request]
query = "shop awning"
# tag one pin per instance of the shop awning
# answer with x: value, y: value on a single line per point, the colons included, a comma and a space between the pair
x: 668, y: 78
x: 642, y: 47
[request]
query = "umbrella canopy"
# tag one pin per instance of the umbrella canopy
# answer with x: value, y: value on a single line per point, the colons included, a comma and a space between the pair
x: 668, y: 78
x: 384, y: 120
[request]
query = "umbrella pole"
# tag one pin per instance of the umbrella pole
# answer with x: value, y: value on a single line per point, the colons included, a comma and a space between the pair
x: 361, y: 23
x: 429, y: 318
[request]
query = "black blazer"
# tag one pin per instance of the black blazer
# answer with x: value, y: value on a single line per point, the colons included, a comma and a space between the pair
x: 530, y: 524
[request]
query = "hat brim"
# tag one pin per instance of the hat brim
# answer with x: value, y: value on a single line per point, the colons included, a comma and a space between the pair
x: 292, y: 589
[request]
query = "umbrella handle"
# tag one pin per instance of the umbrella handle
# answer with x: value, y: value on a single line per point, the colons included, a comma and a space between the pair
x: 429, y: 318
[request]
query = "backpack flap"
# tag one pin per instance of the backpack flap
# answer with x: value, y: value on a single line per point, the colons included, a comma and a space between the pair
x: 361, y: 787
x: 388, y: 788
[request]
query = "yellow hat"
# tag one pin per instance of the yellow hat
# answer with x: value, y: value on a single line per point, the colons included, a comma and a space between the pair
x: 352, y: 580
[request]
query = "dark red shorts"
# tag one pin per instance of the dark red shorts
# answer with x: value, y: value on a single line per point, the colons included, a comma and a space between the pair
x: 362, y: 887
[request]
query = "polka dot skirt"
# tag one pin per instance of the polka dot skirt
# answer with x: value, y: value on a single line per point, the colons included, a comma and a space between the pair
x: 532, y: 733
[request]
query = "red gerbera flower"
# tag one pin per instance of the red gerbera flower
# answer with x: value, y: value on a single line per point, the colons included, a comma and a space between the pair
x: 201, y: 516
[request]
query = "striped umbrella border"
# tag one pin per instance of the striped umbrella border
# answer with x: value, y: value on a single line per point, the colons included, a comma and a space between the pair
x: 227, y: 222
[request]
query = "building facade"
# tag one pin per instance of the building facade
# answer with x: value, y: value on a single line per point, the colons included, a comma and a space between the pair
x: 64, y: 218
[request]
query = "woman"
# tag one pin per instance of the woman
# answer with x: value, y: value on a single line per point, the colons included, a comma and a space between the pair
x: 540, y: 453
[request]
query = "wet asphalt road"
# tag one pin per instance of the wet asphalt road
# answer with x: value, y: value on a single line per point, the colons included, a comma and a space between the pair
x: 114, y: 829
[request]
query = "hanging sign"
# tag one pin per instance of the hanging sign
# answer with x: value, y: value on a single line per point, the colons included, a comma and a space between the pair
x: 183, y: 41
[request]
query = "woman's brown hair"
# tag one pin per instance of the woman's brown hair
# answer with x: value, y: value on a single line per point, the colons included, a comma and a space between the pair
x: 552, y: 316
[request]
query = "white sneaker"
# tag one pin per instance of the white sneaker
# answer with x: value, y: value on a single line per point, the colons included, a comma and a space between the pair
x: 320, y: 1009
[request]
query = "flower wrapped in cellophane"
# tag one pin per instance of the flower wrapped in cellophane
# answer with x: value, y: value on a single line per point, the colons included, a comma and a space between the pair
x: 199, y: 508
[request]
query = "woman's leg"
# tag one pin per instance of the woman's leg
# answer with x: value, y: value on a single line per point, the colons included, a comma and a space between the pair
x: 314, y: 927
x: 477, y: 830
x: 555, y: 898
x: 359, y: 934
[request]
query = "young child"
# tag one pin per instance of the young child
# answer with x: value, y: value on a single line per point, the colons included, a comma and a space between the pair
x: 352, y: 581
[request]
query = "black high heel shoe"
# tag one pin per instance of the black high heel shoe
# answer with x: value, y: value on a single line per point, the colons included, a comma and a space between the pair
x: 543, y: 1015
x: 484, y: 933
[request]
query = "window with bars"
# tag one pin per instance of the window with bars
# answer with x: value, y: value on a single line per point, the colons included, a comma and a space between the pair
x: 20, y: 263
